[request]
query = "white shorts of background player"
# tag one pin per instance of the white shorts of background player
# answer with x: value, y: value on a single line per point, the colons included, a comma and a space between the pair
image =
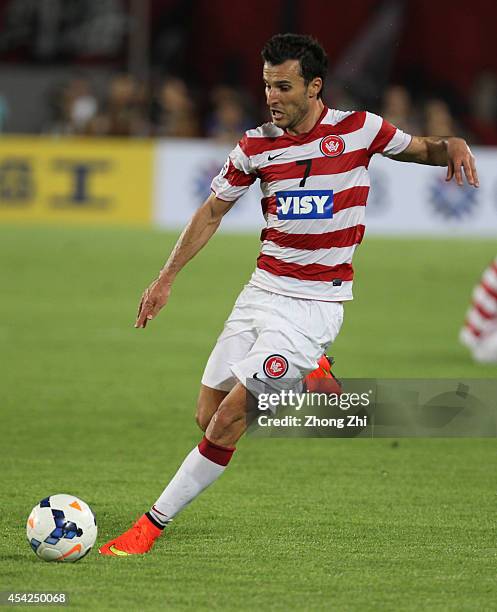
x: 484, y: 348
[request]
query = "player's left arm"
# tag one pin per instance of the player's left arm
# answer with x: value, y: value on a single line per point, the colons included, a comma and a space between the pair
x: 451, y: 152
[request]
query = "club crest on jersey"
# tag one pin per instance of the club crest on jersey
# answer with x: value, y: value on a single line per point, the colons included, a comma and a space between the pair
x: 315, y: 204
x: 275, y: 366
x: 332, y: 145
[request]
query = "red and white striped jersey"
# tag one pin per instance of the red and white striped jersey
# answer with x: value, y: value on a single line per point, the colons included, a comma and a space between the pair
x: 315, y: 189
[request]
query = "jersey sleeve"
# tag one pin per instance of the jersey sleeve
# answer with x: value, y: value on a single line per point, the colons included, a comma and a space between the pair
x: 383, y: 137
x: 235, y: 177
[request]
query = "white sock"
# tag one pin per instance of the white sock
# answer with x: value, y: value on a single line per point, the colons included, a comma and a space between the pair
x: 195, y: 474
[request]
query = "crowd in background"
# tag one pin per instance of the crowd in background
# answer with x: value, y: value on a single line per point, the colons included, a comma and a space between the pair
x: 171, y: 108
x: 168, y: 109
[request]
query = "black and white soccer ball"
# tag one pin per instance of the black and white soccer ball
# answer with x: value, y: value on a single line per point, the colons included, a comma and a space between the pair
x: 61, y: 528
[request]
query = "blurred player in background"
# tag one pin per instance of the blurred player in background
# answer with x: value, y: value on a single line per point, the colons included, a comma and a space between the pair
x: 479, y: 333
x: 312, y: 163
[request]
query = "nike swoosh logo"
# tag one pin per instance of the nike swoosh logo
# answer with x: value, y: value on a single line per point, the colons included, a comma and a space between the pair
x: 117, y: 552
x: 270, y: 158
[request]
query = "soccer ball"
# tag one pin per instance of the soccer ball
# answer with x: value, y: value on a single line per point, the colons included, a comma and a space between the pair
x: 61, y: 528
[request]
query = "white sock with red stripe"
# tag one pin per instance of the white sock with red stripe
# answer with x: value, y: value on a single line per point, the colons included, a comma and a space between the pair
x: 205, y: 463
x: 482, y: 315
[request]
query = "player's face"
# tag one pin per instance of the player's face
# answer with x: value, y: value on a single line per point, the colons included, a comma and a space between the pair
x: 287, y: 95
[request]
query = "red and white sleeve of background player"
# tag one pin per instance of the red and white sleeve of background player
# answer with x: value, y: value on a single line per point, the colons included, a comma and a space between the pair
x: 483, y: 311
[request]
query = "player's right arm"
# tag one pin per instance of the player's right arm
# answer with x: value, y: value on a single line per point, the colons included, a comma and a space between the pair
x: 228, y: 186
x: 196, y: 234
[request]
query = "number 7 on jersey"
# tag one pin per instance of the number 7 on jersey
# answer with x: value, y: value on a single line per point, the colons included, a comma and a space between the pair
x: 308, y: 164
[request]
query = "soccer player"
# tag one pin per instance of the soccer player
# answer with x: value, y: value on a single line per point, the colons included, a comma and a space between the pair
x: 312, y: 162
x: 479, y: 333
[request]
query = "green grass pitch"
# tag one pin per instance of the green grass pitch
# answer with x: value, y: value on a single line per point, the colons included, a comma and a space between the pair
x: 91, y: 406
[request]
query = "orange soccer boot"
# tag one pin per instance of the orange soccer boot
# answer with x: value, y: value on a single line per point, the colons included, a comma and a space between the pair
x: 136, y: 541
x: 322, y: 378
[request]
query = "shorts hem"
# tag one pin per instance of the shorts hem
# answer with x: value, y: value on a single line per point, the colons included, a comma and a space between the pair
x: 226, y: 388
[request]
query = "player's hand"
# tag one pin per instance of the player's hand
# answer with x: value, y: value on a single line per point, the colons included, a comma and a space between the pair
x: 153, y: 299
x: 459, y: 156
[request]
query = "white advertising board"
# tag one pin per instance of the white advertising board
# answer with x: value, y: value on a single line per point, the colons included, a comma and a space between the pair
x: 414, y: 199
x: 184, y: 170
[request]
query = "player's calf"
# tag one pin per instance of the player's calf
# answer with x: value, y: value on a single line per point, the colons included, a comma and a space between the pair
x: 208, y: 403
x: 230, y: 420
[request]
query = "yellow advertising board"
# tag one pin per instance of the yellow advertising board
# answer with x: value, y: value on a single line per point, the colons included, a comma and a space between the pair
x: 76, y: 180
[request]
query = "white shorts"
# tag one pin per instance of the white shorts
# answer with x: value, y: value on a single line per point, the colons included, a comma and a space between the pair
x: 484, y: 348
x: 271, y: 336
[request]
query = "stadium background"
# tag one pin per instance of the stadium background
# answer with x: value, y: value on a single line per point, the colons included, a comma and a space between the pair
x: 115, y: 115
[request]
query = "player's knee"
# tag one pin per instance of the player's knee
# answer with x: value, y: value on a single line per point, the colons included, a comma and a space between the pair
x: 227, y: 415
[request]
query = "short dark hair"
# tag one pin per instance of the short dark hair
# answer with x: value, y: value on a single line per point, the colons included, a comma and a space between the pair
x: 311, y: 55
